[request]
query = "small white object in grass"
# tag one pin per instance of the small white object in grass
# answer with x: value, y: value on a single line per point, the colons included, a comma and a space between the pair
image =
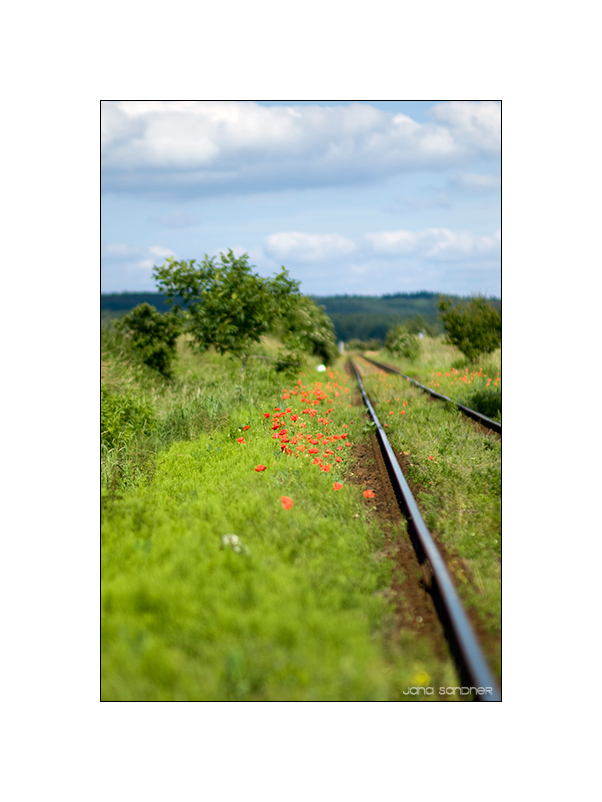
x: 321, y: 368
x: 235, y: 544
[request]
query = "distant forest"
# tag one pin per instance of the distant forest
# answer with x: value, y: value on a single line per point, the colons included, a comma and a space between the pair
x: 362, y: 317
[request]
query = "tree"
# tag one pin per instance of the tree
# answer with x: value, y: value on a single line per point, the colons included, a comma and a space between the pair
x: 225, y: 304
x: 474, y: 325
x: 402, y: 343
x: 153, y: 334
x: 307, y: 328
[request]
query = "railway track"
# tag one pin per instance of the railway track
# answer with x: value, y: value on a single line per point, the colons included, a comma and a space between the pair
x: 471, y: 413
x: 471, y: 663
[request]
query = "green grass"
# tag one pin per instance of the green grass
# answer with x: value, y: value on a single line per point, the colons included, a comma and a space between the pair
x: 443, y: 368
x: 301, y: 611
x: 458, y: 472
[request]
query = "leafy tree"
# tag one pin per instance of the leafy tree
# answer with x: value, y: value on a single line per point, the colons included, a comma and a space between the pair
x: 474, y: 325
x: 401, y: 342
x: 226, y: 305
x: 152, y: 334
x: 308, y: 329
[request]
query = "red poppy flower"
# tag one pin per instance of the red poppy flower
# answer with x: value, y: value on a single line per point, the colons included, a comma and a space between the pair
x: 245, y: 428
x: 325, y: 468
x: 369, y: 493
x: 277, y: 409
x: 260, y: 468
x: 294, y: 418
x: 337, y: 486
x: 288, y: 409
x: 430, y: 457
x: 313, y: 451
x: 266, y: 414
x: 241, y: 439
x: 337, y: 459
x: 287, y: 502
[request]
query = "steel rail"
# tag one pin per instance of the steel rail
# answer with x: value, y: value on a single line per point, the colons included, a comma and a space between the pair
x: 465, y: 640
x: 471, y: 413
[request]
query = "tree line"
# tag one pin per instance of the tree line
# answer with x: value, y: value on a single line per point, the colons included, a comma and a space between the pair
x: 222, y: 303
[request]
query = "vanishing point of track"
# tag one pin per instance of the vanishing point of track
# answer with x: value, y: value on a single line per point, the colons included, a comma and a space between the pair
x: 461, y: 638
x: 471, y: 413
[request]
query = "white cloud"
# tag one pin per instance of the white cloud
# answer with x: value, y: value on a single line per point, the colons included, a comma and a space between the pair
x: 131, y: 257
x: 434, y: 243
x: 473, y: 124
x: 209, y: 147
x: 307, y: 247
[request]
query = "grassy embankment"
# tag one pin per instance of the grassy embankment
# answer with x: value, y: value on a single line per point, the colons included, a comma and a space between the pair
x: 297, y: 609
x: 456, y: 468
x: 443, y: 368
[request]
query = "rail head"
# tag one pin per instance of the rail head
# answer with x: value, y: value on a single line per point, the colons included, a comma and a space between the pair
x: 494, y: 425
x: 465, y: 639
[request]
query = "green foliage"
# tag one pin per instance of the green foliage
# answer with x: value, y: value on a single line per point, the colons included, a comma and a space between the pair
x: 417, y: 325
x: 225, y: 304
x: 401, y: 342
x: 153, y: 335
x: 473, y: 326
x: 307, y: 328
x: 363, y: 345
x: 123, y: 416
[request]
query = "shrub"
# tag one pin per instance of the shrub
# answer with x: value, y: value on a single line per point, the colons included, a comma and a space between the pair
x: 473, y: 326
x: 308, y: 329
x: 122, y: 416
x: 401, y: 342
x: 153, y: 335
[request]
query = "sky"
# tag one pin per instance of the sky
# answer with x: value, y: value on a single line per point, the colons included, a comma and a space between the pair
x: 356, y: 198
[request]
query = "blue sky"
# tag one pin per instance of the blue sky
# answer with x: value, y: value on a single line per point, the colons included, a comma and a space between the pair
x: 364, y: 198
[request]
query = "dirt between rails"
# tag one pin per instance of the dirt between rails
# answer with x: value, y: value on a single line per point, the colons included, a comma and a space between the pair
x: 411, y: 589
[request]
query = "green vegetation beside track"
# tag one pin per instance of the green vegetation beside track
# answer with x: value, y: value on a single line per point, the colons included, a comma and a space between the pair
x: 238, y: 563
x: 455, y: 470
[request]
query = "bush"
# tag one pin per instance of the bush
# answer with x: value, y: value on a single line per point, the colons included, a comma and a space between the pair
x: 473, y: 326
x: 123, y: 416
x: 401, y: 342
x: 153, y: 335
x: 308, y: 329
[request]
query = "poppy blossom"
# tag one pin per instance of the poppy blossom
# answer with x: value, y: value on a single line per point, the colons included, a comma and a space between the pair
x: 260, y: 468
x: 241, y: 439
x: 431, y: 457
x: 337, y: 459
x: 337, y: 486
x: 325, y: 468
x: 287, y: 502
x: 313, y: 451
x: 245, y: 428
x: 277, y: 409
x: 266, y: 414
x: 369, y: 493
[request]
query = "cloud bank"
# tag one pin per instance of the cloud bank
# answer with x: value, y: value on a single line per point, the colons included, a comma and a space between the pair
x: 200, y: 148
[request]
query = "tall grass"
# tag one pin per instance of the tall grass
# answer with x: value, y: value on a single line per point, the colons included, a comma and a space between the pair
x: 299, y: 611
